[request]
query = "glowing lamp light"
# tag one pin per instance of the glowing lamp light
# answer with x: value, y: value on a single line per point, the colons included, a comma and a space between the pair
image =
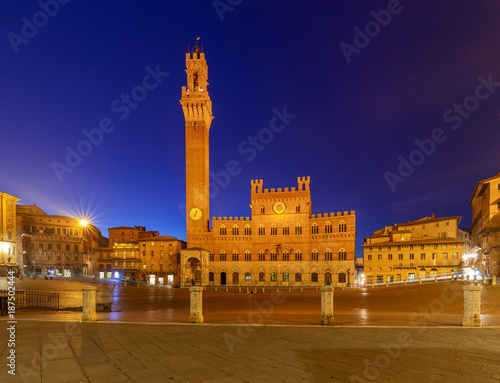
x: 84, y: 222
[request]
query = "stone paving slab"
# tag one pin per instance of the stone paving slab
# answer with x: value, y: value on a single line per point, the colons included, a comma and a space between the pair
x: 118, y: 352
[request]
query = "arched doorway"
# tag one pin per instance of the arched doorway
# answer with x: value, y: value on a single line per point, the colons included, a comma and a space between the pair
x: 342, y: 278
x: 211, y: 277
x: 194, y: 271
x: 328, y: 278
x: 236, y: 278
x: 434, y: 273
x: 223, y: 278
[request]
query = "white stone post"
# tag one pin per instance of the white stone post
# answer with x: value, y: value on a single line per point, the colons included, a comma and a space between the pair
x: 472, y: 306
x: 327, y: 306
x: 475, y: 279
x: 484, y: 279
x: 195, y: 304
x: 89, y: 303
x: 493, y: 280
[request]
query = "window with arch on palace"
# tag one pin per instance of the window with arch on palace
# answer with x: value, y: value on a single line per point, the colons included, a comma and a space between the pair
x: 211, y: 256
x: 236, y: 230
x: 274, y: 256
x: 314, y: 229
x: 235, y: 256
x: 274, y: 230
x: 342, y: 255
x: 248, y: 277
x: 328, y: 228
x: 342, y: 227
x: 262, y: 230
x: 298, y: 229
x: 262, y: 210
x: 314, y: 277
x: 298, y: 277
x: 328, y: 255
x: 286, y: 256
x: 211, y: 276
x: 248, y: 230
x: 286, y: 230
x: 298, y: 255
x: 262, y: 277
x: 262, y: 256
x: 286, y: 277
x: 222, y: 230
x: 297, y: 208
x: 274, y: 277
x: 222, y: 255
x: 314, y: 255
x: 248, y: 256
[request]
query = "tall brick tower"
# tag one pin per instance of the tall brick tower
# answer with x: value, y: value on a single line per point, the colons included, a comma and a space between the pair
x: 197, y: 109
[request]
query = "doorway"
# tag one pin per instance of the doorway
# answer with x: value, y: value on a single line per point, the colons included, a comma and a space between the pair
x: 223, y: 278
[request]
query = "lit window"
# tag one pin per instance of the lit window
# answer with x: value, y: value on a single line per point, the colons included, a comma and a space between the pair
x: 274, y: 277
x: 286, y: 277
x: 262, y: 277
x: 248, y: 277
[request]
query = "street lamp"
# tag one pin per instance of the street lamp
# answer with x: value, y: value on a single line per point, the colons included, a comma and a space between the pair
x: 84, y: 222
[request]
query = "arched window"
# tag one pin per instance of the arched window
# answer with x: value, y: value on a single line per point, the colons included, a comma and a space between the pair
x: 211, y: 256
x: 262, y: 210
x: 298, y: 229
x: 262, y: 256
x: 328, y: 228
x: 314, y: 228
x: 298, y: 277
x: 236, y: 230
x: 274, y: 230
x: 262, y: 230
x: 222, y: 230
x: 262, y: 277
x: 286, y: 277
x: 274, y: 277
x: 298, y: 255
x: 211, y: 277
x: 297, y: 208
x: 235, y: 255
x: 248, y: 230
x: 328, y: 255
x: 314, y: 277
x: 342, y: 227
x: 274, y: 256
x: 222, y: 255
x: 248, y: 277
x: 342, y: 255
x: 286, y: 230
x: 248, y: 256
x: 286, y: 255
x: 314, y: 255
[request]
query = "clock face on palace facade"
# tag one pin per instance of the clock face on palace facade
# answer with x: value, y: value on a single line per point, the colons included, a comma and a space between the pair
x: 279, y: 207
x: 195, y: 213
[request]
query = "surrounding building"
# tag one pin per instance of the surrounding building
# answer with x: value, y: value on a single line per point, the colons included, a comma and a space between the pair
x: 469, y: 258
x: 282, y: 243
x: 129, y: 234
x: 485, y: 239
x: 55, y: 244
x: 422, y: 248
x: 8, y: 236
x: 160, y: 259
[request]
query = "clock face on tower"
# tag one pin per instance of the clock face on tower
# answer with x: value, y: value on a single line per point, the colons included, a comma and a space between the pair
x: 279, y: 207
x: 195, y: 213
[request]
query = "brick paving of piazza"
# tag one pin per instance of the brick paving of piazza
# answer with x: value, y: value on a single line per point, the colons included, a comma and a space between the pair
x: 384, y: 334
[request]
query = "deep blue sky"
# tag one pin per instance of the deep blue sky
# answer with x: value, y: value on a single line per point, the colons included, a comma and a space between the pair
x: 353, y: 119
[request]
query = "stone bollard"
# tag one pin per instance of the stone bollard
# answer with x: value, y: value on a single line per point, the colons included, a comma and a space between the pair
x: 227, y: 289
x: 327, y: 306
x: 475, y: 279
x: 493, y: 280
x: 195, y: 304
x: 215, y: 289
x: 89, y: 303
x: 255, y: 290
x: 277, y: 289
x: 239, y: 289
x: 435, y: 279
x: 138, y: 284
x: 472, y: 306
x: 483, y: 279
x: 420, y: 281
x: 289, y: 289
x: 248, y: 291
x: 404, y: 282
x: 301, y: 289
x: 467, y: 278
x: 263, y: 290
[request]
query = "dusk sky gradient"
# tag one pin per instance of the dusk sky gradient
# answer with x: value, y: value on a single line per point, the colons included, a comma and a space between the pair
x: 353, y: 120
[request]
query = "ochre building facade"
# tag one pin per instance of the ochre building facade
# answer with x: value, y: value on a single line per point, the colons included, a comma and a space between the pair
x: 281, y: 243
